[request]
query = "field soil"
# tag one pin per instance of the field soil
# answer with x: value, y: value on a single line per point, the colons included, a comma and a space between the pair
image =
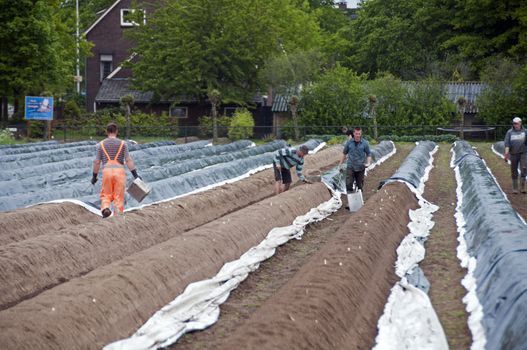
x: 75, y: 247
x: 274, y: 273
x: 441, y: 265
x: 114, y: 299
x: 337, y: 296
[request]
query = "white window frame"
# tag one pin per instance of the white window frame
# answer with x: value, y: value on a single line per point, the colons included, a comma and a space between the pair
x: 181, y: 107
x: 105, y: 58
x: 124, y: 23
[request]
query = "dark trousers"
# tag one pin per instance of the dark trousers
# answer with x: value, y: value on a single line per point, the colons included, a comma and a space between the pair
x: 521, y: 160
x: 354, y: 176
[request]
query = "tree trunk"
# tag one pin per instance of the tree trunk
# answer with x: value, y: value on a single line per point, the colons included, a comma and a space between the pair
x: 462, y: 126
x: 128, y: 126
x: 295, y: 122
x: 5, y: 109
x: 214, y: 113
x: 16, y: 105
x: 2, y: 118
x: 375, y: 128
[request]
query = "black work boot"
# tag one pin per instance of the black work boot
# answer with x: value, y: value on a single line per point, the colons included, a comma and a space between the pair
x: 106, y: 212
x: 515, y: 186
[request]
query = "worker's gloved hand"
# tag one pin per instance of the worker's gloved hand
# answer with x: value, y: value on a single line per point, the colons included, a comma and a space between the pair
x: 134, y: 173
x: 94, y: 179
x: 506, y: 157
x: 342, y: 167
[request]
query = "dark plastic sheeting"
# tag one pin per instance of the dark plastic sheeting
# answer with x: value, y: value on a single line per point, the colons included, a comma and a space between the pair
x: 414, y: 166
x: 42, y: 146
x: 56, y: 155
x: 7, y: 149
x: 165, y: 154
x: 497, y: 237
x: 170, y: 172
x: 500, y: 147
x: 76, y: 178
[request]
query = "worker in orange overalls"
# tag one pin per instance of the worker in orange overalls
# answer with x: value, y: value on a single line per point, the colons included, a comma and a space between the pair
x: 113, y: 153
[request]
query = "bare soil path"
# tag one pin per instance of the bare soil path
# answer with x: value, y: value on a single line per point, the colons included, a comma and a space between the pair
x: 441, y: 265
x: 274, y: 273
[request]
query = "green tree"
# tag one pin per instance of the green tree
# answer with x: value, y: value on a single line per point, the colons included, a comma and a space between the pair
x: 396, y: 36
x: 38, y: 49
x: 191, y: 48
x: 337, y: 99
x: 242, y: 125
x: 505, y: 96
x: 485, y: 29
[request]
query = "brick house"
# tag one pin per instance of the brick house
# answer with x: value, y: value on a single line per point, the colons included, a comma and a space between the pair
x: 107, y: 81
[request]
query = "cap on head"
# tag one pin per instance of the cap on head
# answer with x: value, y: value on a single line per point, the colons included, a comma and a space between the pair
x: 517, y: 120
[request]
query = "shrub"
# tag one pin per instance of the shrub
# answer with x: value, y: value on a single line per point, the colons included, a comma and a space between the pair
x: 6, y: 138
x: 37, y: 129
x: 71, y: 110
x: 242, y: 125
x: 205, y: 126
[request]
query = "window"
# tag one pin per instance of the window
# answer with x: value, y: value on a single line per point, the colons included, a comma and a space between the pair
x: 229, y: 111
x: 106, y: 66
x: 128, y: 16
x: 179, y: 112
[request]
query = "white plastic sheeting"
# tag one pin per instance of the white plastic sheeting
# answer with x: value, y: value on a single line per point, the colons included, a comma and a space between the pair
x: 198, y: 307
x: 409, y: 320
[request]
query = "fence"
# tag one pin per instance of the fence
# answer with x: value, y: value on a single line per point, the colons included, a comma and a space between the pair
x: 64, y: 132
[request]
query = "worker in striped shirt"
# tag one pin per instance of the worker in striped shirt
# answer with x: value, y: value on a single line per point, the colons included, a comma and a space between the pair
x: 113, y: 154
x: 284, y: 160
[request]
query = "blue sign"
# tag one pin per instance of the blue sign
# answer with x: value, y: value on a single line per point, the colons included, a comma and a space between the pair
x: 39, y: 108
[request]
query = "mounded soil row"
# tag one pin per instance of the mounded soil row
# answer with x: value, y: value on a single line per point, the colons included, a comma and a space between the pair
x: 272, y: 274
x: 335, y: 300
x: 113, y: 301
x: 37, y: 220
x: 38, y: 263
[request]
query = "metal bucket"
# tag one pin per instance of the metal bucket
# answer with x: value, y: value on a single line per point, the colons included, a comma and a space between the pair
x: 138, y: 189
x: 355, y: 201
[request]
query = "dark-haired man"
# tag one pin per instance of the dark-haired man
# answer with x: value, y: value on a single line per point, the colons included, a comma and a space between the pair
x: 358, y: 155
x: 113, y: 153
x: 284, y: 160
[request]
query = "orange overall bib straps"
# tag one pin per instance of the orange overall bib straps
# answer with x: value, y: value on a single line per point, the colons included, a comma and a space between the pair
x: 113, y: 163
x: 113, y: 181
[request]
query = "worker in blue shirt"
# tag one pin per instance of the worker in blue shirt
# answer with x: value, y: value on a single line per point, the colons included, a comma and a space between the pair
x: 358, y: 155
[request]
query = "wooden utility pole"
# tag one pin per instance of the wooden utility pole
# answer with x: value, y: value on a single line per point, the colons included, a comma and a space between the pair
x: 373, y: 115
x: 461, y: 103
x: 293, y: 105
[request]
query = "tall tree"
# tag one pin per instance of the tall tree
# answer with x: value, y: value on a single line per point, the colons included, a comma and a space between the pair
x: 396, y: 36
x: 192, y: 48
x: 37, y: 51
x: 486, y: 29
